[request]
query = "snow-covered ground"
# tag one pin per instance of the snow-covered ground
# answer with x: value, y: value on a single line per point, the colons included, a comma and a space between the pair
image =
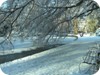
x: 28, y: 44
x: 18, y: 43
x: 63, y: 60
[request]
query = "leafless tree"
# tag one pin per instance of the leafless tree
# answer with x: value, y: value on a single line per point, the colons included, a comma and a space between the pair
x: 43, y: 19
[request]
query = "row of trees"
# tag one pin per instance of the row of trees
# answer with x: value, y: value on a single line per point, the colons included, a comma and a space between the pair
x: 87, y: 25
x: 42, y: 18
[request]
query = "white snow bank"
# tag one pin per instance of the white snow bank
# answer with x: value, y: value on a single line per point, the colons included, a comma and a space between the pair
x: 16, y: 50
x: 62, y: 60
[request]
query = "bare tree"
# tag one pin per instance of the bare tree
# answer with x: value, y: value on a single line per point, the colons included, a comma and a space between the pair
x: 43, y: 19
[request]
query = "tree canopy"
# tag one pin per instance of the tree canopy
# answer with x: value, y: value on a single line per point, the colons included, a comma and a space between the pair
x: 42, y: 19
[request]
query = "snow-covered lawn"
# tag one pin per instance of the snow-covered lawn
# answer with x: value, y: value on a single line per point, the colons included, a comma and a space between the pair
x: 28, y: 44
x: 63, y: 60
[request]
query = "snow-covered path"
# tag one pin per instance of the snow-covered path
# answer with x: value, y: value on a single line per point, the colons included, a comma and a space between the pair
x: 63, y: 60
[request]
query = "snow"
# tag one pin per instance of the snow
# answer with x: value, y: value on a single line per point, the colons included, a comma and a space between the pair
x: 63, y: 60
x: 19, y: 46
x: 98, y: 32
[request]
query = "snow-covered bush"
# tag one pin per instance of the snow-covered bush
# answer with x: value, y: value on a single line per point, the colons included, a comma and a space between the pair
x: 98, y: 32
